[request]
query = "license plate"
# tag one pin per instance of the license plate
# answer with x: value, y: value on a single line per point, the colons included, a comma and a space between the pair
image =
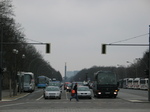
x: 107, y: 92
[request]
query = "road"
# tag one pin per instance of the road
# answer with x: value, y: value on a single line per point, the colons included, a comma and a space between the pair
x: 127, y: 101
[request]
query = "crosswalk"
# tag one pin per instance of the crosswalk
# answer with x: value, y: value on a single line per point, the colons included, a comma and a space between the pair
x: 77, y: 110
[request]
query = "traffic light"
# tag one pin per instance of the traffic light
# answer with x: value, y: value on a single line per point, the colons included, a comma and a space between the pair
x: 103, y: 48
x: 48, y: 48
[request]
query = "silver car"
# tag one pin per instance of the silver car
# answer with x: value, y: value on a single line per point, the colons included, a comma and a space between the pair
x: 84, y: 91
x: 52, y: 92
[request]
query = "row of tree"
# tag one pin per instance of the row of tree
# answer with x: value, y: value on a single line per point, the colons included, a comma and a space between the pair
x: 16, y: 54
x: 136, y: 69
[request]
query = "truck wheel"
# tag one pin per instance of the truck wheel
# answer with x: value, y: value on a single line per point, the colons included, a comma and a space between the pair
x: 95, y: 95
x: 114, y: 96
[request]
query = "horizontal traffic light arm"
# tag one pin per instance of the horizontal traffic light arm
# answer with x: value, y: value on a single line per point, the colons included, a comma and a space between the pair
x: 14, y: 43
x: 104, y: 46
x: 128, y: 44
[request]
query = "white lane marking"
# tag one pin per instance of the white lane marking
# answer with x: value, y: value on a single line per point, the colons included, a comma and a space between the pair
x: 39, y: 98
x: 12, y: 104
x: 93, y: 98
x: 38, y: 91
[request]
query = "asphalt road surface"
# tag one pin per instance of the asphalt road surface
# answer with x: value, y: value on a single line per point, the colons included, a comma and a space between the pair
x: 126, y: 101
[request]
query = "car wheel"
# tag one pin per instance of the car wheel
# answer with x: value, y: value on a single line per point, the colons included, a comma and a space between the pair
x: 45, y: 97
x: 95, y: 95
x: 59, y: 97
x: 114, y: 96
x: 90, y: 97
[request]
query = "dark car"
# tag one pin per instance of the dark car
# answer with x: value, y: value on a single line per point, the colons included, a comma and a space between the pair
x: 65, y: 85
x: 68, y: 87
x: 78, y: 83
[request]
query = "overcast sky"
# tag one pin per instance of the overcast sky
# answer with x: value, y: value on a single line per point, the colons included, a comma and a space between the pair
x: 77, y: 28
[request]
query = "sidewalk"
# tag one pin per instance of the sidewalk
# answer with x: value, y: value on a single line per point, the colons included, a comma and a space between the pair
x: 133, y: 98
x: 6, y: 95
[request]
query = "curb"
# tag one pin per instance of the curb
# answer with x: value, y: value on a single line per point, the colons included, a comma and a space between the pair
x: 13, y: 98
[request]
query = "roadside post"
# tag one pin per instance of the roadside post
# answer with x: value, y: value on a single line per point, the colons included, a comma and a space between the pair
x: 149, y: 68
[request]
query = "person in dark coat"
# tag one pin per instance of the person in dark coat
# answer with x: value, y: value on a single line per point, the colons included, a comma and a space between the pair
x: 74, y: 95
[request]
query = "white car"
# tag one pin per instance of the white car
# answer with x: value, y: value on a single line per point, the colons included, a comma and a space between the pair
x: 55, y: 84
x: 52, y: 92
x: 84, y: 91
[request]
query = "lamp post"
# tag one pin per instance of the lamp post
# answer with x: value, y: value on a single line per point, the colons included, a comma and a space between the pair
x: 20, y: 75
x: 1, y: 61
x: 23, y: 57
x: 15, y: 51
x: 149, y: 68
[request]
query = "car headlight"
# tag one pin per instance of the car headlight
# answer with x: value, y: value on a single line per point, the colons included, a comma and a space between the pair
x: 46, y: 93
x: 99, y: 93
x: 115, y: 92
x: 89, y: 93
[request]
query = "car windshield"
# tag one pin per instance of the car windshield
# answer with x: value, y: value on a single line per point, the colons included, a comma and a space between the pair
x: 69, y: 84
x: 83, y: 89
x: 106, y: 78
x: 80, y: 83
x: 52, y: 89
x: 54, y: 84
x: 27, y: 78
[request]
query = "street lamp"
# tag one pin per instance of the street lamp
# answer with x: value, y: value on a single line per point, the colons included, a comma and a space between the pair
x: 1, y: 60
x: 23, y: 57
x: 20, y: 80
x: 15, y: 51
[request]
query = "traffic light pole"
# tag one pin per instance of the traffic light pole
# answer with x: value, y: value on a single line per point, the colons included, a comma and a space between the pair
x: 149, y: 68
x: 0, y: 85
x: 1, y: 64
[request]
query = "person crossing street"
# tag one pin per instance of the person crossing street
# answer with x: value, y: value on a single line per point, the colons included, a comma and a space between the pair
x: 74, y: 93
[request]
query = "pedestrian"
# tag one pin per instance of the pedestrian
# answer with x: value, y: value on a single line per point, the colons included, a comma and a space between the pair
x: 74, y: 93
